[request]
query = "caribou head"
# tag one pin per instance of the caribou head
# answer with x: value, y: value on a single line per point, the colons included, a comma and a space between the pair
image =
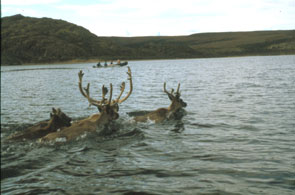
x: 176, y: 102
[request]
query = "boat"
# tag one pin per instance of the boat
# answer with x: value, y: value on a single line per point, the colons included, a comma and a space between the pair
x: 98, y: 65
x: 123, y: 63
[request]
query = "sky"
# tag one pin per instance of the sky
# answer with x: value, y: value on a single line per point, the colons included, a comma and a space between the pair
x: 129, y: 18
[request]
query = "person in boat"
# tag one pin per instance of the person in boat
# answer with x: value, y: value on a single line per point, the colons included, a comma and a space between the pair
x: 98, y: 64
x: 118, y: 62
x: 105, y: 63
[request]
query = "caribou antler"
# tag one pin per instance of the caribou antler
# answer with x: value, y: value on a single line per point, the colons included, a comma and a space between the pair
x: 104, y: 92
x: 86, y: 93
x: 111, y: 94
x: 172, y: 90
x: 177, y: 91
x: 122, y: 88
x: 118, y: 100
x: 86, y: 89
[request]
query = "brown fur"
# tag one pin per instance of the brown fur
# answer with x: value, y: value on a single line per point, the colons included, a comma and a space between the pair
x: 78, y: 128
x: 57, y: 120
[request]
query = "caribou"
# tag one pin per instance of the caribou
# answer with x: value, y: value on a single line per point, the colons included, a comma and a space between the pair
x: 108, y: 111
x: 161, y: 114
x: 57, y: 120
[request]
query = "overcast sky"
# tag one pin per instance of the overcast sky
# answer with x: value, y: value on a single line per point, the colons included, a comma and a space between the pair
x: 161, y: 17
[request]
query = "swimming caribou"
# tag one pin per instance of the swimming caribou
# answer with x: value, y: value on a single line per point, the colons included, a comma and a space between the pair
x: 162, y: 114
x: 108, y: 111
x: 57, y: 120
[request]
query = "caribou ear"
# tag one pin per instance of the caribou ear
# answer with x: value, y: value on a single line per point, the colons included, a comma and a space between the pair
x: 54, y: 111
x: 58, y: 111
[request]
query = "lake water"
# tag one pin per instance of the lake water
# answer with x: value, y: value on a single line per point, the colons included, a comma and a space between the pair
x: 237, y: 137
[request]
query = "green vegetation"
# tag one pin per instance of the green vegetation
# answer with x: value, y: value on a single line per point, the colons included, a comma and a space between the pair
x: 43, y: 40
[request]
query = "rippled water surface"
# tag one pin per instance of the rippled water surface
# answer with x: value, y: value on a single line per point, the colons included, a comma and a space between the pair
x: 237, y: 137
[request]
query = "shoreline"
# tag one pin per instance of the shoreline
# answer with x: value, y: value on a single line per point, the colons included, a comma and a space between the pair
x: 79, y: 61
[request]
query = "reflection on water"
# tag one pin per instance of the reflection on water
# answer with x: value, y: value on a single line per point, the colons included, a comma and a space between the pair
x: 237, y: 135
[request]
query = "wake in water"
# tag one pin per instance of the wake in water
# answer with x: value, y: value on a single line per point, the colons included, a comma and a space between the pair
x: 24, y: 157
x: 113, y: 129
x: 33, y: 163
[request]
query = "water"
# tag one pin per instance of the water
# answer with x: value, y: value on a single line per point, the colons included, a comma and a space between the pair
x: 236, y: 138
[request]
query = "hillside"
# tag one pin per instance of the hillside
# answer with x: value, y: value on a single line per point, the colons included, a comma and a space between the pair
x: 213, y: 44
x: 43, y: 40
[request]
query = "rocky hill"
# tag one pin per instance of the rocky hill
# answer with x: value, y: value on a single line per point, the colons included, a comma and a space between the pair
x: 27, y: 40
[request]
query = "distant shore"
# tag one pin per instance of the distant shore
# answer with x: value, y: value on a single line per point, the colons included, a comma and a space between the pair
x: 51, y: 41
x: 95, y: 61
